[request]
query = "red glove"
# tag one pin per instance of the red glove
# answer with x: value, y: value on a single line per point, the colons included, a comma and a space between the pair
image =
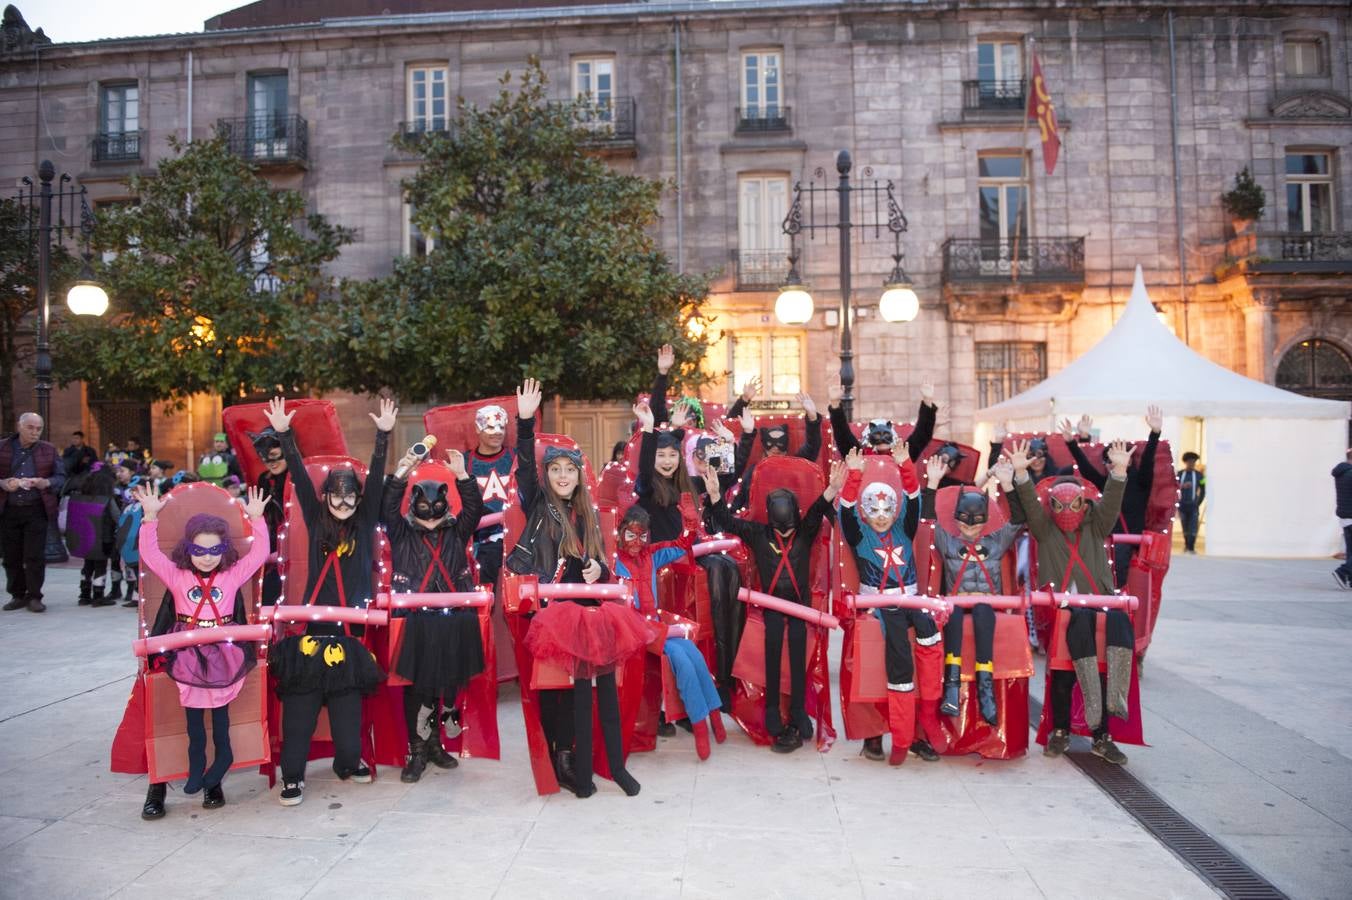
x: 849, y: 494
x: 910, y: 479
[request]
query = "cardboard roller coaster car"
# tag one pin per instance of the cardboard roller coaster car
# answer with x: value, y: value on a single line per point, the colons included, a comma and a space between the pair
x: 295, y: 610
x: 152, y: 738
x: 453, y: 427
x: 659, y: 684
x: 314, y: 423
x: 478, y: 700
x: 748, y: 702
x: 521, y: 596
x: 967, y: 466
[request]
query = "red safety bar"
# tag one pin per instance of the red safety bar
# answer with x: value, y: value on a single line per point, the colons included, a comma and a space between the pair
x: 343, y: 615
x: 490, y: 519
x: 788, y: 608
x: 935, y: 605
x: 177, y: 640
x: 720, y: 545
x: 1097, y: 601
x: 573, y: 591
x: 456, y: 600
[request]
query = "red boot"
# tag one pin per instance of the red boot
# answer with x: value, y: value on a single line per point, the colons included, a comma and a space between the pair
x: 716, y: 720
x: 701, y: 730
x: 901, y: 722
x: 929, y: 683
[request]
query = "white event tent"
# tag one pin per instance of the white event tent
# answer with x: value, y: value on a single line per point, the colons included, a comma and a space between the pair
x: 1267, y: 452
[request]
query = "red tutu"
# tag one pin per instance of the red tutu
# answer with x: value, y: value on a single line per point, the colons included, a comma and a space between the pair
x: 587, y: 641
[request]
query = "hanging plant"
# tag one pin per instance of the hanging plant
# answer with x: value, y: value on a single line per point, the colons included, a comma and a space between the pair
x: 1246, y: 200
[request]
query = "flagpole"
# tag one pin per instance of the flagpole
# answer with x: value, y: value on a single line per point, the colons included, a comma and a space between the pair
x: 1024, y: 169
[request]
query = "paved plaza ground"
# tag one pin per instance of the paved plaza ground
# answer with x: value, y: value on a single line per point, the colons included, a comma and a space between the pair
x: 1248, y: 702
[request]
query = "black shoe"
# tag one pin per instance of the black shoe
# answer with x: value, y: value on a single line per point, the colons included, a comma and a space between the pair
x: 873, y: 749
x: 684, y: 725
x: 666, y: 729
x: 102, y: 601
x: 15, y: 603
x: 83, y: 601
x: 293, y: 792
x: 803, y: 722
x: 922, y: 749
x: 787, y: 741
x: 359, y: 775
x: 214, y: 799
x: 724, y: 698
x: 1106, y: 750
x: 626, y: 782
x: 985, y: 697
x: 1338, y: 576
x: 1058, y: 742
x: 437, y: 755
x: 952, y: 689
x: 131, y: 603
x: 416, y: 763
x: 36, y: 605
x: 563, y: 770
x: 154, y: 806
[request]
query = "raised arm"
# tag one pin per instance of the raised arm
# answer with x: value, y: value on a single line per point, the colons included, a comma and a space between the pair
x: 527, y: 472
x: 812, y: 420
x: 471, y: 497
x: 1107, y: 510
x: 647, y: 451
x: 1087, y: 470
x: 1145, y: 472
x: 840, y: 430
x: 303, y: 487
x: 925, y: 420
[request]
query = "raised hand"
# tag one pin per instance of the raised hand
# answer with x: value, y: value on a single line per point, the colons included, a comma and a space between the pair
x: 1085, y: 427
x: 644, y: 413
x: 837, y: 480
x: 722, y: 430
x: 711, y: 486
x: 1154, y: 417
x: 528, y: 398
x: 150, y: 500
x: 854, y: 460
x: 751, y: 388
x: 1119, y: 457
x: 833, y: 394
x: 666, y: 358
x: 1003, y: 470
x: 1000, y: 432
x: 935, y: 470
x: 256, y: 501
x: 389, y: 413
x: 901, y: 453
x: 1067, y: 429
x: 809, y: 408
x: 278, y: 417
x: 927, y: 393
x: 455, y: 461
x: 1018, y: 456
x: 748, y: 422
x: 680, y: 414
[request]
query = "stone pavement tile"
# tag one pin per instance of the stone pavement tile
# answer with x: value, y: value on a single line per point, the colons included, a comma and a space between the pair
x: 50, y: 730
x: 122, y: 809
x: 920, y: 835
x: 636, y: 828
x: 589, y: 871
x: 748, y: 862
x: 266, y: 867
x: 876, y: 784
x: 1313, y: 867
x: 1118, y: 869
x: 1176, y: 755
x: 1071, y: 812
x: 1254, y: 807
x: 90, y: 844
x: 765, y: 801
x: 332, y: 810
x: 739, y: 752
x: 941, y: 880
x: 343, y: 887
x: 477, y: 787
x: 15, y: 828
x: 63, y: 879
x: 56, y: 788
x: 415, y: 848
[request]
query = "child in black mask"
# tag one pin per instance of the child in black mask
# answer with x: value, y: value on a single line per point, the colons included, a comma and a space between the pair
x: 782, y: 549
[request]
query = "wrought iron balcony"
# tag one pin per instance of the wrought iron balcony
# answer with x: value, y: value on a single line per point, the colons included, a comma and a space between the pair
x: 994, y: 96
x: 1057, y: 260
x: 609, y: 121
x: 760, y: 270
x: 118, y: 146
x: 766, y: 119
x: 268, y: 139
x: 422, y: 127
x: 1311, y: 250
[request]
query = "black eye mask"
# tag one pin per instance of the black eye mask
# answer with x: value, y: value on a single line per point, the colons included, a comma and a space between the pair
x: 429, y: 500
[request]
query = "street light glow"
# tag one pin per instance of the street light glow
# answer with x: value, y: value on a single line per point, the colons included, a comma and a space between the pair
x: 793, y: 306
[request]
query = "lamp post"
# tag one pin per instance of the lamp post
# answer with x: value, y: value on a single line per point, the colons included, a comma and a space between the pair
x: 880, y: 210
x: 86, y: 297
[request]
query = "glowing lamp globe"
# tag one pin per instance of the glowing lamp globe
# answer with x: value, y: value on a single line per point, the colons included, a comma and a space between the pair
x: 793, y: 306
x: 899, y: 303
x: 86, y: 298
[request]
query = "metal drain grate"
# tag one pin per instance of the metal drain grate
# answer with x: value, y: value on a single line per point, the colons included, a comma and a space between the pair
x: 1211, y: 860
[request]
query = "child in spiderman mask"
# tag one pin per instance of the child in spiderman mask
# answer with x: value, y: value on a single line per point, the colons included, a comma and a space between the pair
x: 880, y: 526
x: 442, y: 648
x: 639, y: 561
x: 782, y: 549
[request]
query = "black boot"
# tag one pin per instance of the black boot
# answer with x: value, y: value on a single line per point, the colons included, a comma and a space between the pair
x: 563, y: 770
x: 154, y: 806
x: 985, y: 696
x: 952, y: 688
x: 437, y: 755
x: 873, y: 749
x: 214, y: 798
x: 86, y: 586
x: 416, y: 763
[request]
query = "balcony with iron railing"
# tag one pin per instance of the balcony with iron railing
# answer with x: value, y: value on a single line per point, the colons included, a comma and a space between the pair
x: 420, y: 128
x: 760, y: 270
x: 611, y: 122
x: 118, y: 146
x: 1316, y: 252
x: 982, y: 96
x: 267, y: 139
x: 1046, y: 260
x: 764, y: 119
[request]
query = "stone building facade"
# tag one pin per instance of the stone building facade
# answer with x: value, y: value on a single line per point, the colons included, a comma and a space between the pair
x: 733, y: 102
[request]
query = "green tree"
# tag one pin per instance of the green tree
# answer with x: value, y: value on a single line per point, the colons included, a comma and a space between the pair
x: 19, y: 295
x: 212, y: 265
x: 544, y: 264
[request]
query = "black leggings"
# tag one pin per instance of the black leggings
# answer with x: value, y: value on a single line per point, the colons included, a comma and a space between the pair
x: 1081, y: 642
x: 729, y: 613
x: 300, y: 713
x: 566, y: 717
x: 198, y: 774
x: 983, y: 631
x: 774, y: 643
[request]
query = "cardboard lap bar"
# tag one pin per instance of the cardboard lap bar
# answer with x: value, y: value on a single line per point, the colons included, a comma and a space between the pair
x: 748, y: 702
x: 152, y: 737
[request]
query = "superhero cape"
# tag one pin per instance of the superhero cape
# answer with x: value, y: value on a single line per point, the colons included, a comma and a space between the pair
x: 629, y: 677
x: 314, y: 423
x: 152, y: 737
x: 478, y: 700
x: 748, y: 702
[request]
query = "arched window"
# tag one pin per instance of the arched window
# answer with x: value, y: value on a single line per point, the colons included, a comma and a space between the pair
x: 1316, y: 368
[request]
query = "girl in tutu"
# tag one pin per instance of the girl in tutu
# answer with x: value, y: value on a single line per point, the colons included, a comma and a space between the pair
x: 588, y: 638
x: 204, y: 574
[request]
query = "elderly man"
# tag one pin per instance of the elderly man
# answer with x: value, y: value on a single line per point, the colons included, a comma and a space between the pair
x: 31, y: 476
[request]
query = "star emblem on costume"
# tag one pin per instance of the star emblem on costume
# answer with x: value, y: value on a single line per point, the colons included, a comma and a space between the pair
x: 493, y: 487
x: 896, y: 556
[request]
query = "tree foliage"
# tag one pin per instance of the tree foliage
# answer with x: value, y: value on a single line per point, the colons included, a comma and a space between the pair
x: 544, y: 264
x: 212, y: 266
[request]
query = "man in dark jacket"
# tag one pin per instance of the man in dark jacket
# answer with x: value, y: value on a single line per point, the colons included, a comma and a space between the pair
x: 31, y: 477
x: 1191, y: 493
x: 79, y: 456
x: 1342, y: 484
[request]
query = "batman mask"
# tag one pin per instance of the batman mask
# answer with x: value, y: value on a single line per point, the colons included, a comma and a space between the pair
x: 781, y: 510
x: 972, y: 508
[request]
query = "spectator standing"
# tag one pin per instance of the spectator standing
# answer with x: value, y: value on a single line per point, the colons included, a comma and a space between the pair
x: 31, y: 477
